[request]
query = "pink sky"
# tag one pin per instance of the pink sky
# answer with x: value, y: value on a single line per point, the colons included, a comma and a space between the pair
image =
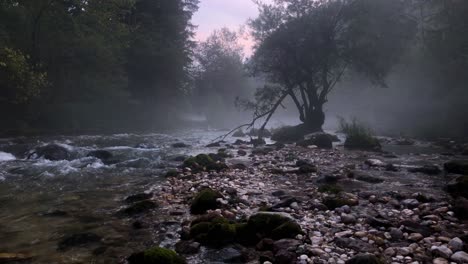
x: 215, y: 14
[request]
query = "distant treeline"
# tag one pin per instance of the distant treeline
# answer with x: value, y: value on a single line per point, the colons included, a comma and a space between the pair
x: 95, y: 65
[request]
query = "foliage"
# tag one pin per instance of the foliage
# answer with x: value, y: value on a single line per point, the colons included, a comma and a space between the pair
x: 305, y: 47
x: 358, y: 135
x: 94, y: 63
x: 20, y: 82
x: 219, y: 75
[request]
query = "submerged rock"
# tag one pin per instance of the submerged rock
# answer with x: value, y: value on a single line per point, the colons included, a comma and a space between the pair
x: 156, y: 255
x: 51, y: 152
x: 427, y: 169
x: 78, y: 240
x: 103, y: 155
x: 138, y: 197
x: 458, y: 187
x: 139, y: 208
x: 180, y: 145
x: 457, y: 167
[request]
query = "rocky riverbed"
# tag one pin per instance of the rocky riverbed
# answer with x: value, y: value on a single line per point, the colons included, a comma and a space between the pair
x: 277, y: 203
x: 393, y: 208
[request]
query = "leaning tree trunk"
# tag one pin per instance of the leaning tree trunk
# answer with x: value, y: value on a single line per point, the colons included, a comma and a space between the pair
x: 314, y: 119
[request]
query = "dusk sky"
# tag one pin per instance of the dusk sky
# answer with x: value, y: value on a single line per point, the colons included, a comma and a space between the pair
x: 215, y: 14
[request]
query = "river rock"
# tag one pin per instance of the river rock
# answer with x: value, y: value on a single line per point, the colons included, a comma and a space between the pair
x: 348, y: 219
x: 365, y: 259
x: 441, y: 251
x: 460, y: 257
x: 226, y: 255
x: 51, y: 152
x: 286, y: 244
x: 456, y: 244
x: 440, y: 261
x: 427, y: 169
x: 156, y: 255
x: 187, y: 247
x: 180, y: 145
x: 396, y: 233
x: 354, y: 244
x: 103, y: 155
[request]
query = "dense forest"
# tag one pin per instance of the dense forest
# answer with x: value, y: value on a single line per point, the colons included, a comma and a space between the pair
x: 72, y: 65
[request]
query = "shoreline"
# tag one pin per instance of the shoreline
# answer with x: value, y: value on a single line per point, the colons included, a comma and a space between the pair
x: 401, y: 226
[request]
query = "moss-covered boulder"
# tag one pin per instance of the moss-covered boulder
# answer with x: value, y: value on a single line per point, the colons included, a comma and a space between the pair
x: 458, y: 187
x: 203, y: 162
x: 272, y: 225
x: 205, y: 200
x: 156, y: 255
x: 216, y: 233
x: 289, y: 134
x: 341, y: 199
x: 457, y: 167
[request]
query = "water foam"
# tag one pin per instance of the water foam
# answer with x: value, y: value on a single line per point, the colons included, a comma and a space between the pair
x: 4, y: 156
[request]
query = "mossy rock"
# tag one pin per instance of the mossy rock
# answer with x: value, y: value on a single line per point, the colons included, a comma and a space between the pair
x: 139, y: 208
x: 156, y: 255
x: 205, y: 200
x: 366, y: 259
x: 246, y: 234
x: 273, y: 225
x: 205, y: 162
x: 286, y: 230
x: 363, y: 142
x: 289, y: 134
x: 172, y: 173
x: 216, y: 232
x: 330, y: 188
x: 239, y: 133
x: 339, y: 200
x: 458, y: 187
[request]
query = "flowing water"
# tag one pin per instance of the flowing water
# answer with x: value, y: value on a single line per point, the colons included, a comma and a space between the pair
x: 43, y: 201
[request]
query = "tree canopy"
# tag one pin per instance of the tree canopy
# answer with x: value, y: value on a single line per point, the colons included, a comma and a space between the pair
x: 305, y: 47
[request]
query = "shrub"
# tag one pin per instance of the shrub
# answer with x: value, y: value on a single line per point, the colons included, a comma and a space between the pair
x: 358, y: 135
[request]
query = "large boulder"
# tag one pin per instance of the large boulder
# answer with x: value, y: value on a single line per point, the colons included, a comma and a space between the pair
x: 460, y: 208
x: 51, y: 152
x: 156, y: 255
x: 457, y: 167
x: 289, y: 134
x: 321, y: 140
x: 213, y: 231
x: 458, y: 187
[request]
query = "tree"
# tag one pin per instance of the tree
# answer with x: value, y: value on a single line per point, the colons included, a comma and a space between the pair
x: 220, y: 76
x: 304, y: 48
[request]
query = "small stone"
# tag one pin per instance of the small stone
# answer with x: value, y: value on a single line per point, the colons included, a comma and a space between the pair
x: 396, y: 233
x: 416, y: 237
x: 348, y: 219
x: 390, y: 252
x: 440, y: 261
x: 441, y: 251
